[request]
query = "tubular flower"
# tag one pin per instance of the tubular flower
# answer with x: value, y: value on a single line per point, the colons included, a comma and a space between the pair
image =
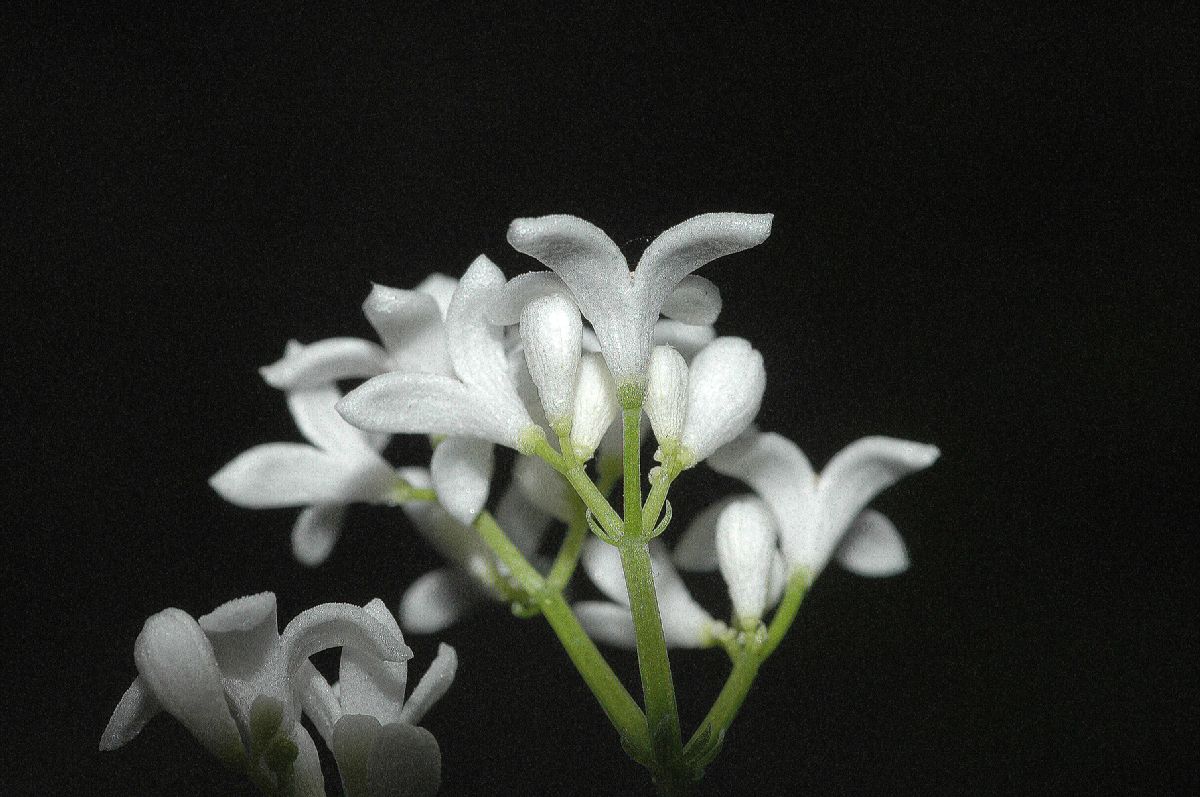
x: 623, y: 306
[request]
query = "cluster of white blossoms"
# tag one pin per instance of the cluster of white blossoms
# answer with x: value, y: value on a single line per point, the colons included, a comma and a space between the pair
x: 481, y: 361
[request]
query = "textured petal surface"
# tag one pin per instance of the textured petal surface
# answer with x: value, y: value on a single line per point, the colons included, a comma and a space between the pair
x: 607, y: 622
x: 667, y: 393
x: 689, y: 245
x: 695, y: 300
x: 325, y: 362
x: 745, y: 553
x: 333, y: 625
x: 409, y: 403
x: 314, y: 411
x: 368, y: 685
x: 696, y: 549
x: 462, y: 474
x: 176, y: 661
x: 858, y: 473
x: 437, y: 599
x: 432, y: 686
x: 873, y: 547
x: 510, y: 301
x: 595, y: 405
x: 687, y: 339
x: 307, y: 778
x: 242, y: 632
x: 685, y: 622
x: 315, y: 533
x: 781, y: 475
x: 552, y: 331
x: 725, y: 389
x: 136, y: 707
x: 412, y: 329
x: 293, y: 474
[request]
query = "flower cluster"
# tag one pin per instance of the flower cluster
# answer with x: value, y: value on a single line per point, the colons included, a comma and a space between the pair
x: 573, y: 368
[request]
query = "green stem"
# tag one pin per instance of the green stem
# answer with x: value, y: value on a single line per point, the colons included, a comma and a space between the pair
x: 732, y: 695
x: 614, y: 699
x: 568, y: 555
x: 797, y: 587
x: 658, y: 495
x: 631, y: 417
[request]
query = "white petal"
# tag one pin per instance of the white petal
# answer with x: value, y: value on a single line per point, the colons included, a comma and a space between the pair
x: 586, y: 259
x: 595, y: 405
x: 696, y: 549
x: 243, y: 632
x: 545, y: 487
x: 476, y: 346
x: 858, y: 473
x: 551, y: 330
x: 332, y: 625
x: 437, y: 599
x: 316, y: 532
x: 292, y: 474
x: 367, y: 685
x: 695, y: 300
x: 667, y: 394
x: 313, y: 410
x: 519, y: 513
x: 462, y: 473
x: 602, y: 562
x: 307, y: 778
x: 687, y: 339
x: 745, y: 552
x: 175, y: 660
x: 410, y: 403
x: 689, y: 245
x: 607, y: 622
x: 318, y: 699
x: 725, y: 389
x: 325, y: 362
x: 873, y: 547
x: 778, y: 471
x: 405, y: 762
x: 353, y: 738
x: 441, y: 287
x: 432, y: 686
x: 412, y: 329
x: 136, y: 708
x: 778, y: 581
x: 685, y: 623
x: 510, y: 301
x: 456, y: 541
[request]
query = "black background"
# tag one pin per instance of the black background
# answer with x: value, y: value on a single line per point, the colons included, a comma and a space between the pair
x: 984, y: 233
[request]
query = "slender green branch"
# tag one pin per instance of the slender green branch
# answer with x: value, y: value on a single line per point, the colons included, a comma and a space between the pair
x: 631, y: 418
x: 793, y: 596
x: 658, y: 493
x: 732, y: 695
x: 568, y: 554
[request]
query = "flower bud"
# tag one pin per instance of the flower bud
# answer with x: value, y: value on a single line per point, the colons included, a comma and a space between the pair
x: 595, y: 405
x: 552, y: 330
x: 667, y: 396
x: 725, y: 388
x: 745, y: 550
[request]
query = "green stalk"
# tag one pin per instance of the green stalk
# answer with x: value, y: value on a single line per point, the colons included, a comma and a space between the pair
x: 614, y: 699
x: 568, y: 555
x: 797, y: 587
x: 732, y: 695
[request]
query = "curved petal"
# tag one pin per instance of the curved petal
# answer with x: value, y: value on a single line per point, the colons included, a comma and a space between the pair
x: 314, y: 411
x: 552, y: 332
x: 437, y: 599
x: 873, y: 547
x: 586, y: 259
x: 778, y: 471
x: 687, y: 339
x: 696, y: 549
x: 315, y: 533
x: 242, y: 632
x: 476, y: 346
x: 725, y: 389
x: 509, y: 302
x: 176, y: 662
x: 461, y: 469
x: 602, y: 563
x: 332, y: 625
x: 685, y: 622
x: 136, y: 707
x: 689, y: 245
x: 318, y: 700
x: 368, y: 685
x: 595, y: 405
x: 410, y: 403
x: 695, y: 300
x: 858, y: 473
x: 666, y: 394
x: 607, y: 622
x: 411, y: 327
x: 441, y: 287
x: 324, y: 362
x: 432, y: 686
x: 404, y: 762
x: 290, y: 474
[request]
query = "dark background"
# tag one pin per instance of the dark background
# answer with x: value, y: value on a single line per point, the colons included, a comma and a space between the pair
x: 984, y: 238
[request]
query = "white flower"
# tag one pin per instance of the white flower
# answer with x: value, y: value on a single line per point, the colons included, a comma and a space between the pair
x: 238, y: 685
x: 746, y: 551
x: 815, y: 514
x: 624, y: 306
x: 342, y: 466
x: 667, y: 395
x: 725, y: 387
x: 595, y: 406
x: 370, y: 727
x: 685, y: 623
x: 551, y: 331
